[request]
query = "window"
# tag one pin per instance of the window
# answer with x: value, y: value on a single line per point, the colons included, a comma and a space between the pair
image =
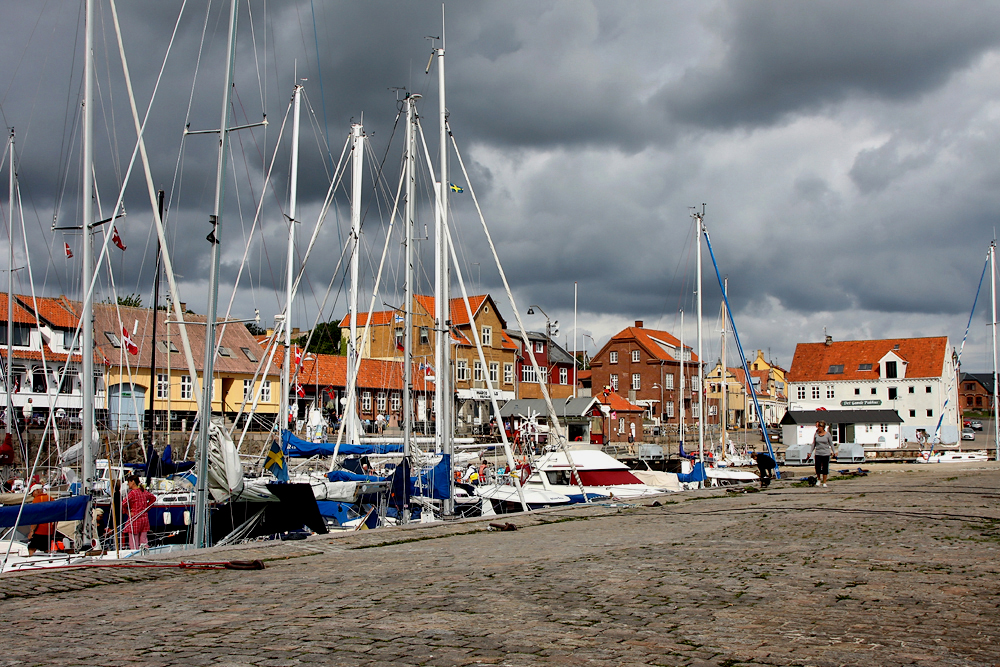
x: 528, y: 373
x: 668, y: 381
x: 162, y: 385
x: 494, y: 372
x: 462, y: 370
x: 66, y: 382
x: 613, y: 358
x: 885, y: 428
x: 913, y: 413
x: 910, y: 389
x: 890, y: 369
x: 837, y: 369
x: 979, y: 401
x: 380, y: 399
x: 539, y: 347
x: 247, y: 353
x: 186, y: 386
x: 113, y: 339
x: 968, y: 401
x: 864, y: 367
x: 477, y: 371
x: 927, y: 389
x: 247, y: 390
x: 487, y: 336
x: 874, y: 391
x: 225, y: 351
x: 508, y: 373
x: 544, y: 370
x: 815, y: 392
x: 696, y: 410
x: 635, y: 356
x: 621, y: 424
x: 39, y: 383
x: 800, y: 392
x: 892, y: 394
x: 20, y: 335
x: 67, y: 340
x: 713, y: 410
x: 636, y: 380
x: 399, y: 337
x: 614, y: 382
x: 930, y: 413
x: 395, y: 402
x: 670, y: 409
x: 563, y: 376
x: 366, y: 401
x: 424, y: 336
x: 161, y: 346
x: 265, y: 391
x: 857, y: 391
x: 829, y: 391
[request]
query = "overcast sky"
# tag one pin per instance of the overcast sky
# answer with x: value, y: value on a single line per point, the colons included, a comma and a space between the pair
x: 846, y: 153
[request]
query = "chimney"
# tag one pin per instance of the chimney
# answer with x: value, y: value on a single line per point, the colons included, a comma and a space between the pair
x: 829, y: 341
x: 638, y: 324
x: 184, y: 307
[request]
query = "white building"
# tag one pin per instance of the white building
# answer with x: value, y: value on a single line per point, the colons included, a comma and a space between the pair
x: 915, y: 377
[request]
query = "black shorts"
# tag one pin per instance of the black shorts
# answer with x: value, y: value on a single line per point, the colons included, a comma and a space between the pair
x: 822, y: 465
x: 40, y: 542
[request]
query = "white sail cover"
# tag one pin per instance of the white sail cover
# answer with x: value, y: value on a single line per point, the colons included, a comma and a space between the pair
x: 225, y: 473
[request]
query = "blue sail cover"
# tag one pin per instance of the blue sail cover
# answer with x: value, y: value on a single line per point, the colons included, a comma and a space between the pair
x: 347, y: 476
x: 73, y: 508
x: 435, y: 480
x: 697, y: 474
x: 297, y: 447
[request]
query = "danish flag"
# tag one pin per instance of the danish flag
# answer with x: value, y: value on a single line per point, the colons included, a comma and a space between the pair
x: 117, y: 240
x: 298, y: 357
x: 299, y: 390
x: 69, y: 251
x: 132, y: 348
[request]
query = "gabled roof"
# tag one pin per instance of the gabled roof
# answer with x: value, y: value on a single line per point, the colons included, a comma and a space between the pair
x: 651, y: 340
x: 924, y: 358
x: 457, y: 313
x: 379, y: 318
x: 618, y: 403
x: 556, y: 353
x: 21, y: 314
x: 58, y: 312
x: 985, y: 379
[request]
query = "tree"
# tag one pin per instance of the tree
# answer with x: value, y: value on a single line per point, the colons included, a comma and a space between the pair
x: 130, y: 301
x: 325, y: 340
x: 254, y: 329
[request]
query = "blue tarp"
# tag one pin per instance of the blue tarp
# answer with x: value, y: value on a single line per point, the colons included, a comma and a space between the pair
x: 297, y: 447
x: 434, y: 480
x: 697, y: 474
x: 73, y: 508
x: 345, y: 476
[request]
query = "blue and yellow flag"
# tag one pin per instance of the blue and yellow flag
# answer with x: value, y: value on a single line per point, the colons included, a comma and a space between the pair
x: 276, y: 463
x: 456, y: 188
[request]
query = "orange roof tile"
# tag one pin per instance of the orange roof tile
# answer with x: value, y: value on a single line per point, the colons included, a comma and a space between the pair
x: 21, y: 314
x: 618, y: 403
x: 924, y: 358
x: 55, y: 311
x: 379, y: 318
x: 331, y: 369
x: 647, y: 339
x: 458, y: 314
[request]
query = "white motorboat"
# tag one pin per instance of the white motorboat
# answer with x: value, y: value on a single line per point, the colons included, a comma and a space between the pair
x: 600, y: 475
x: 951, y: 456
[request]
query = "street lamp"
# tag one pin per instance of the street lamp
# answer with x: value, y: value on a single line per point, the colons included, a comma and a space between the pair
x: 551, y: 327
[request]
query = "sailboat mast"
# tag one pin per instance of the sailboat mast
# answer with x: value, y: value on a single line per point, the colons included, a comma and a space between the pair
x: 993, y: 299
x: 701, y: 381
x: 286, y: 365
x: 201, y: 531
x: 442, y: 298
x: 680, y: 414
x: 153, y: 384
x: 411, y: 154
x: 10, y: 292
x: 353, y: 354
x: 87, y: 260
x: 725, y: 378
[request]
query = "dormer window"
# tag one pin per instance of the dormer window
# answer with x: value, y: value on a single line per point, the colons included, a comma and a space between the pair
x: 864, y: 367
x: 113, y: 339
x: 890, y: 369
x: 837, y: 369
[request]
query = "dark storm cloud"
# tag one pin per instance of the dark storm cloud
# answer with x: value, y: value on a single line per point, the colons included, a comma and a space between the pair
x: 779, y: 58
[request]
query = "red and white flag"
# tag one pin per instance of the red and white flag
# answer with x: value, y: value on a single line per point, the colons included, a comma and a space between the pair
x: 298, y: 357
x: 132, y: 348
x: 69, y: 251
x: 117, y: 240
x: 300, y: 391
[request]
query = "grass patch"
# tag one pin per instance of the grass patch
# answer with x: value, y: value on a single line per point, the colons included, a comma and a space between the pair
x: 844, y: 597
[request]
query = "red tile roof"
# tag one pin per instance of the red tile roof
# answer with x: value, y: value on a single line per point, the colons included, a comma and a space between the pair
x: 458, y: 314
x: 645, y: 338
x: 379, y: 318
x: 36, y: 355
x: 372, y: 374
x: 924, y: 358
x: 21, y: 314
x: 56, y: 311
x: 618, y: 403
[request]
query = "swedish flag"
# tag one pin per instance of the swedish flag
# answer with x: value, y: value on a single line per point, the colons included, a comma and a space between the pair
x: 456, y: 188
x: 276, y: 463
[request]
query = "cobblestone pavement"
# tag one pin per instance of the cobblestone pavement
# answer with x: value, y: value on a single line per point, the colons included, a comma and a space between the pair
x: 899, y: 567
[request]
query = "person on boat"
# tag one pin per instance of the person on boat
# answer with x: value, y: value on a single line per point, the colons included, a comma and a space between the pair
x: 822, y: 450
x: 40, y: 536
x: 137, y: 503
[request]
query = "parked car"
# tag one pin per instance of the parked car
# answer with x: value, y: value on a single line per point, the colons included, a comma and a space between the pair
x: 976, y: 425
x: 968, y: 434
x: 966, y: 423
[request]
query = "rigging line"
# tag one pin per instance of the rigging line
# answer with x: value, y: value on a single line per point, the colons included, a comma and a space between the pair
x: 115, y: 157
x: 257, y: 215
x: 66, y: 149
x: 395, y: 124
x: 322, y: 142
x: 66, y: 153
x: 256, y: 59
x: 319, y: 72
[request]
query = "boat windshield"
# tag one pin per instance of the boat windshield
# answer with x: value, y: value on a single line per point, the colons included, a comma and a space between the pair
x: 594, y: 477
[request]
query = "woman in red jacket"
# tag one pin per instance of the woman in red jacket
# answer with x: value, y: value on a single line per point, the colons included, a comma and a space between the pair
x: 137, y: 504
